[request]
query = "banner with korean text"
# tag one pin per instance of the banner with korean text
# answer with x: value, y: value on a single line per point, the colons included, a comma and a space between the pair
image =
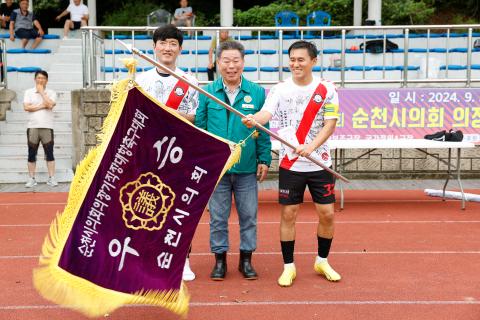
x: 132, y: 211
x: 407, y: 113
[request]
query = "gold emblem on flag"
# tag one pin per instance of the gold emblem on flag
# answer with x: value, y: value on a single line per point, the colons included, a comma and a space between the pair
x: 146, y: 202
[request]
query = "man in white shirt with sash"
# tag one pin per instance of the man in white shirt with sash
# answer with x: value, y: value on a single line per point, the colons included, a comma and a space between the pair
x: 176, y: 94
x: 307, y: 109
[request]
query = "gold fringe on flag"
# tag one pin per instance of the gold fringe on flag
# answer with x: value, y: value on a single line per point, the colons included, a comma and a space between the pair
x: 66, y: 289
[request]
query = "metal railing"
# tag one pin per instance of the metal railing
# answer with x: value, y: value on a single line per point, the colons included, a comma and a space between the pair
x: 94, y: 48
x: 3, y: 47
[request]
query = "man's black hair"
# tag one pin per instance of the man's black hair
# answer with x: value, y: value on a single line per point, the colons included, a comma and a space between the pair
x: 168, y: 31
x: 301, y: 44
x: 42, y: 72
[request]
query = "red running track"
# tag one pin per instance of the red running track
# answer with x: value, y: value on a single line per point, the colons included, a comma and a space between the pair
x: 401, y: 254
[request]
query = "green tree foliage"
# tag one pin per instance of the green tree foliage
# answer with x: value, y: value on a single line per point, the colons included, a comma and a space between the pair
x: 393, y: 12
x: 132, y: 13
x: 407, y: 12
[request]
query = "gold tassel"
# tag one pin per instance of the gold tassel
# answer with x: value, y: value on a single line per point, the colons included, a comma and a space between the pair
x: 61, y: 287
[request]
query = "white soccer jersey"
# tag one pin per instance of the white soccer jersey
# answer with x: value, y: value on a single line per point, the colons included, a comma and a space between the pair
x: 287, y: 102
x: 160, y: 87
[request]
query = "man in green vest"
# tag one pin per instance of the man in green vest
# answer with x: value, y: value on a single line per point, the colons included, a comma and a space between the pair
x: 241, y: 180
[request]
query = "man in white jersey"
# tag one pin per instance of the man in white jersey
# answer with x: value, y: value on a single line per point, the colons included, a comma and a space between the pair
x: 176, y: 94
x: 78, y: 17
x: 307, y: 108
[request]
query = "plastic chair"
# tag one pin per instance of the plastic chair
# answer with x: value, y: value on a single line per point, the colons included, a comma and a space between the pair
x: 158, y: 18
x: 319, y: 19
x: 287, y: 19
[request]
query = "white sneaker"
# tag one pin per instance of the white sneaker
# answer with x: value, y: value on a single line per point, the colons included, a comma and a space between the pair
x: 52, y: 182
x: 31, y: 182
x: 188, y: 274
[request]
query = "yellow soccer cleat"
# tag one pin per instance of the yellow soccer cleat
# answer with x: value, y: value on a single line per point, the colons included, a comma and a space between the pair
x: 288, y: 275
x: 324, y: 268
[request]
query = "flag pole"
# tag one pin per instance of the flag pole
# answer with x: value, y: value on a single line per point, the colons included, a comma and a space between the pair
x: 226, y: 106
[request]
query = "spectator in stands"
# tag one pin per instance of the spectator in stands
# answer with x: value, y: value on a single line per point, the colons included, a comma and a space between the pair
x: 183, y: 16
x: 78, y: 17
x: 241, y: 180
x: 39, y: 102
x: 307, y: 107
x: 211, y: 62
x: 6, y: 10
x: 24, y: 22
x: 167, y: 43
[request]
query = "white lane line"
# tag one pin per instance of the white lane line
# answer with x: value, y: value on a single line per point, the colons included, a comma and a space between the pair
x: 32, y: 203
x: 298, y: 222
x: 280, y: 303
x: 266, y: 253
x: 261, y: 201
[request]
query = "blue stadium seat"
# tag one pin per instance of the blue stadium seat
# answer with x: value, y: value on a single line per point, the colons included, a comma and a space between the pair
x: 287, y: 19
x: 242, y: 38
x: 16, y: 50
x: 249, y: 51
x: 461, y: 50
x: 117, y: 51
x: 332, y: 51
x: 354, y: 51
x: 109, y: 69
x: 453, y: 67
x: 318, y: 69
x: 199, y: 69
x: 417, y: 50
x: 198, y: 38
x: 142, y: 37
x: 183, y: 52
x: 338, y: 68
x: 249, y: 69
x: 381, y: 68
x: 118, y: 36
x: 11, y: 69
x: 29, y: 69
x: 409, y: 68
x: 360, y: 68
x: 438, y: 50
x: 51, y: 36
x: 137, y: 69
x: 4, y: 36
x: 182, y: 68
x: 200, y: 52
x: 475, y: 66
x: 39, y: 51
x: 267, y: 51
x: 397, y: 50
x: 269, y: 69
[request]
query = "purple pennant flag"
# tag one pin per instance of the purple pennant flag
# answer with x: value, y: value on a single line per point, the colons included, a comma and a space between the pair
x: 138, y: 216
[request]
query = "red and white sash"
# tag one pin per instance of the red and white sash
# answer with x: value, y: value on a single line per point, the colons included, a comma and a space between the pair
x: 316, y: 102
x: 179, y: 91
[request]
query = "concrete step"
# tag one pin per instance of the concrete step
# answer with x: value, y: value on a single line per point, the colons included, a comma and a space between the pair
x: 65, y: 85
x: 20, y: 126
x: 58, y: 115
x: 69, y: 48
x: 68, y: 57
x: 22, y: 150
x: 19, y: 162
x: 61, y: 138
x: 21, y: 176
x: 64, y: 76
x: 66, y: 67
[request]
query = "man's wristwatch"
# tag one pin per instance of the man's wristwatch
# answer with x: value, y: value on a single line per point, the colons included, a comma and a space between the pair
x: 264, y: 162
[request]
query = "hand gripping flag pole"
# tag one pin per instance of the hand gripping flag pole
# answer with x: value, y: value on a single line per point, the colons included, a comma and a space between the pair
x: 226, y: 106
